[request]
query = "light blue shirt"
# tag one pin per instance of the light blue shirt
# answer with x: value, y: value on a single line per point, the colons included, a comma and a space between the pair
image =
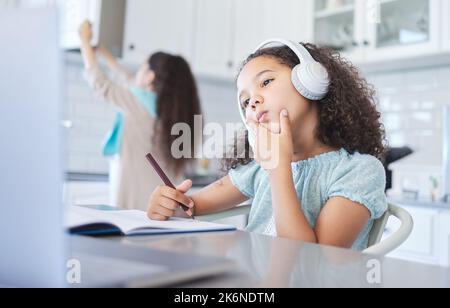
x: 114, y: 140
x: 359, y: 178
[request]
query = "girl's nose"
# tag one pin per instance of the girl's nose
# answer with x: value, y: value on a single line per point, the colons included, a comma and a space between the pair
x: 255, y: 101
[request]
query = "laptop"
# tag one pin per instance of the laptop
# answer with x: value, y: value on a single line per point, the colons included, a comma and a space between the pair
x: 35, y: 250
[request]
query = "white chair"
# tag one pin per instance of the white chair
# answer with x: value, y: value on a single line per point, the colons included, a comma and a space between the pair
x: 375, y: 245
x: 378, y: 247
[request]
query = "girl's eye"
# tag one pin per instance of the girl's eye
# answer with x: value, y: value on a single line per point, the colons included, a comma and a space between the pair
x: 245, y: 103
x: 267, y: 82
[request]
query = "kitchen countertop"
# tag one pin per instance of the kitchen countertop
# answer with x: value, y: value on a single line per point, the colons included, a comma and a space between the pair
x: 419, y: 203
x: 86, y: 177
x: 199, y: 181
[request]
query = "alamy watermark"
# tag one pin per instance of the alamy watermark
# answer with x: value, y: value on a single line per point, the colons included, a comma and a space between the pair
x: 73, y: 275
x: 374, y: 273
x: 215, y: 139
x: 373, y: 11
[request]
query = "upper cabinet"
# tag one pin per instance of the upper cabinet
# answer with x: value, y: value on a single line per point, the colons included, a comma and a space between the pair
x: 259, y: 20
x: 377, y: 30
x: 154, y: 25
x: 446, y: 24
x: 214, y: 38
x: 74, y: 12
x: 227, y: 31
x: 338, y: 25
x: 404, y: 27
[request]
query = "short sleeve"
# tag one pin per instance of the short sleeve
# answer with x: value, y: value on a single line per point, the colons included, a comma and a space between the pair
x: 244, y: 177
x: 362, y: 180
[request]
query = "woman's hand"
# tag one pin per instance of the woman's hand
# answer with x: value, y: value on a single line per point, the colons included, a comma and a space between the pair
x: 274, y: 145
x: 85, y: 32
x: 164, y: 201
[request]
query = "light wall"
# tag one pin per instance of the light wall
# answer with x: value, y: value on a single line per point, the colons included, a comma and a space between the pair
x: 410, y: 101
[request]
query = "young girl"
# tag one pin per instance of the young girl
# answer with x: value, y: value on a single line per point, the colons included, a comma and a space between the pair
x: 328, y: 185
x: 162, y: 93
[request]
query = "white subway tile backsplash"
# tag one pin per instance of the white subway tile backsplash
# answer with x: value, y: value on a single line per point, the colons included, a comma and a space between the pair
x: 98, y: 165
x: 81, y: 127
x: 77, y: 163
x: 100, y: 129
x: 77, y: 91
x: 392, y: 121
x: 428, y: 104
x: 92, y: 118
x: 443, y: 76
x: 422, y: 80
x: 90, y: 110
x: 411, y: 105
x: 387, y: 81
x: 420, y: 120
x: 86, y: 145
x: 396, y: 138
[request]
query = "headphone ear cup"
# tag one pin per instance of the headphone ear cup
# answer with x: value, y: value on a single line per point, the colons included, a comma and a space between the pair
x: 296, y: 73
x: 311, y: 80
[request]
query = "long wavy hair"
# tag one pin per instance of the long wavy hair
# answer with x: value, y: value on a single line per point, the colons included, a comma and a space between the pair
x: 348, y: 116
x: 177, y: 102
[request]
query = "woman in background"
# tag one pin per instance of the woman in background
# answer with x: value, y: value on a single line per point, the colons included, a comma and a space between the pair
x: 161, y: 94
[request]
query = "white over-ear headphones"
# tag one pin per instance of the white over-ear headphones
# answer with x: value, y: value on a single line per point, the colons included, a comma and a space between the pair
x: 310, y: 78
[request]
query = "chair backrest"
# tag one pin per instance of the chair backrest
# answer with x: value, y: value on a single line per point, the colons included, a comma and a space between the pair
x: 375, y: 246
x: 376, y: 234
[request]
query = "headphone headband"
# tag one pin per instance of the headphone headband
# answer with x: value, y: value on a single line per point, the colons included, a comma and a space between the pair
x: 301, y: 52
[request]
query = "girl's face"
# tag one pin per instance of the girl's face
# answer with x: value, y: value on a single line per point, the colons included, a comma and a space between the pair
x: 145, y: 77
x: 265, y: 89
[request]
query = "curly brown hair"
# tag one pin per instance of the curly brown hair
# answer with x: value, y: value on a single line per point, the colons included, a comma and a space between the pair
x: 348, y: 116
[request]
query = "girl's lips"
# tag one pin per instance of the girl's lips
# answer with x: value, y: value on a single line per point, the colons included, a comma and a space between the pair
x: 261, y: 117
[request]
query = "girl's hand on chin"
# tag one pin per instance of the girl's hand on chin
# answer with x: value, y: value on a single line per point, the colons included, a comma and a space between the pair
x: 274, y: 144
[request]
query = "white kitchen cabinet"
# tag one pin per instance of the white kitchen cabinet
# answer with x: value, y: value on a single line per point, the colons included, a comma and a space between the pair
x: 367, y: 31
x: 228, y: 31
x: 444, y: 237
x: 258, y: 20
x: 214, y: 38
x: 406, y: 27
x: 340, y: 26
x: 74, y: 12
x: 445, y: 26
x: 154, y: 25
x: 429, y: 240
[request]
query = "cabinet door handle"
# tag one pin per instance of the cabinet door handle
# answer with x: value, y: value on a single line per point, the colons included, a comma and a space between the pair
x: 131, y: 47
x: 230, y: 64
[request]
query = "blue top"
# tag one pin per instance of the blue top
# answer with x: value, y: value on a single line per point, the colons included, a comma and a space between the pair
x: 113, y: 143
x: 359, y: 178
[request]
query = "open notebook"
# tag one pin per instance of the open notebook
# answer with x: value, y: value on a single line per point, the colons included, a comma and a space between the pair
x: 84, y: 221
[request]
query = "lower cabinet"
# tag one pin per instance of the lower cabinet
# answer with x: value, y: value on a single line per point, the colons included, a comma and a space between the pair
x: 429, y: 240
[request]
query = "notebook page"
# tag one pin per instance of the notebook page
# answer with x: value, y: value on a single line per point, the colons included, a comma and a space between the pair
x: 133, y: 220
